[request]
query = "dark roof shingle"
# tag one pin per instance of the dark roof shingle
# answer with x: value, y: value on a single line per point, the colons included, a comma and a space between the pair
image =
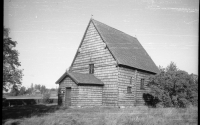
x: 126, y: 49
x: 81, y: 78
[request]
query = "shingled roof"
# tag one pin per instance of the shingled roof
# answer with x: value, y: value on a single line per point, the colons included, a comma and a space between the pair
x: 81, y: 79
x: 126, y: 49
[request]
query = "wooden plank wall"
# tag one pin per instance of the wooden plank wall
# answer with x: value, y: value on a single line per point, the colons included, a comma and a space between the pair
x: 108, y: 76
x: 129, y: 99
x: 93, y: 50
x: 67, y: 82
x: 124, y: 77
x: 90, y: 95
x: 145, y: 76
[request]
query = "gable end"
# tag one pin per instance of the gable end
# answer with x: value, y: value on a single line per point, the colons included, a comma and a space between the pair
x: 105, y: 43
x: 80, y: 44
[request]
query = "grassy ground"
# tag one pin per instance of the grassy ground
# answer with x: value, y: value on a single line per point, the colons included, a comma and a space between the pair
x: 53, y: 115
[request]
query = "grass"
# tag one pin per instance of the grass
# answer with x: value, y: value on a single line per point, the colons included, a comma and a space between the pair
x: 54, y: 115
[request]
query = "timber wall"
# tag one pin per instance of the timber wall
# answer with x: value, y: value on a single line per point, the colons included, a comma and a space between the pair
x: 136, y: 96
x: 90, y: 95
x: 67, y: 82
x: 139, y: 93
x: 84, y: 95
x: 93, y: 50
x: 124, y: 77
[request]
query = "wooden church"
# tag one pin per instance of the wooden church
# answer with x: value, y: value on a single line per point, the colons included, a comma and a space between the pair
x: 110, y: 68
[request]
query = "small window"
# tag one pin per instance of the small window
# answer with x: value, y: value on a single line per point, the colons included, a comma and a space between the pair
x: 128, y: 89
x: 91, y: 68
x: 142, y: 84
x: 131, y: 80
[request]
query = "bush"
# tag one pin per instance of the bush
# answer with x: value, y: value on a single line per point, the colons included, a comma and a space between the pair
x: 150, y: 100
x: 182, y: 102
x: 173, y: 88
x: 46, y: 97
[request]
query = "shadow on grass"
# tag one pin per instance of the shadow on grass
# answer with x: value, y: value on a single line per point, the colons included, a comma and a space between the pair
x: 18, y: 112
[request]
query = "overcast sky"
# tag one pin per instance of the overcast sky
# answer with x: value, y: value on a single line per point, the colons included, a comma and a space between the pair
x: 49, y: 32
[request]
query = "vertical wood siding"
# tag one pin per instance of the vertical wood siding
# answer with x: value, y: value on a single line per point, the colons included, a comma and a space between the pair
x: 93, y: 50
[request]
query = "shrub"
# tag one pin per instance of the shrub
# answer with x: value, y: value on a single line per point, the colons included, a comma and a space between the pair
x: 150, y: 100
x: 173, y: 88
x: 46, y: 97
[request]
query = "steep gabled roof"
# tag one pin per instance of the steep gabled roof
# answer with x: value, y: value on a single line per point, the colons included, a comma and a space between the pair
x: 81, y: 79
x: 126, y: 49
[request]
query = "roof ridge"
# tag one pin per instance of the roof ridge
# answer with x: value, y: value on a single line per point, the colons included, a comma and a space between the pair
x: 113, y: 28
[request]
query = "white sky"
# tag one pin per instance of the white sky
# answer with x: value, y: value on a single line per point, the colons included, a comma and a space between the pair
x: 49, y: 32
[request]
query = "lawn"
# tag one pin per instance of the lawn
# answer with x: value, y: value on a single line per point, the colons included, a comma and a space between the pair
x: 54, y: 115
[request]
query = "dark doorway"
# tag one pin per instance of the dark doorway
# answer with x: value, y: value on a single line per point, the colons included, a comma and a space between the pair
x: 68, y: 97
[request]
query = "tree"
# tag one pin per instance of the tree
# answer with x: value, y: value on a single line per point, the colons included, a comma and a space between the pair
x: 38, y: 87
x: 161, y: 68
x: 53, y: 89
x: 46, y: 97
x: 43, y: 89
x: 11, y: 74
x: 22, y: 90
x: 28, y: 91
x: 32, y: 88
x: 171, y: 67
x: 14, y: 91
x: 174, y: 87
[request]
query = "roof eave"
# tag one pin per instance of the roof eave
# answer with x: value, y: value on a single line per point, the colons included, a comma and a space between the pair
x: 91, y: 84
x: 153, y: 72
x: 61, y: 78
x: 64, y: 75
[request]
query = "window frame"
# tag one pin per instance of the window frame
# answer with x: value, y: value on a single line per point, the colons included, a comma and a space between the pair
x: 142, y: 84
x: 131, y: 81
x: 91, y: 68
x: 129, y: 89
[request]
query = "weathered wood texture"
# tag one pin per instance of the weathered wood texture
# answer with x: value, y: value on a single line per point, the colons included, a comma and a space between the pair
x: 136, y: 96
x: 93, y: 50
x: 115, y: 79
x: 67, y: 82
x: 90, y: 96
x: 139, y: 93
x: 125, y: 79
x: 81, y: 95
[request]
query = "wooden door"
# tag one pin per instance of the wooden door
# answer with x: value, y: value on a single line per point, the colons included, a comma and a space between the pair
x: 68, y: 97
